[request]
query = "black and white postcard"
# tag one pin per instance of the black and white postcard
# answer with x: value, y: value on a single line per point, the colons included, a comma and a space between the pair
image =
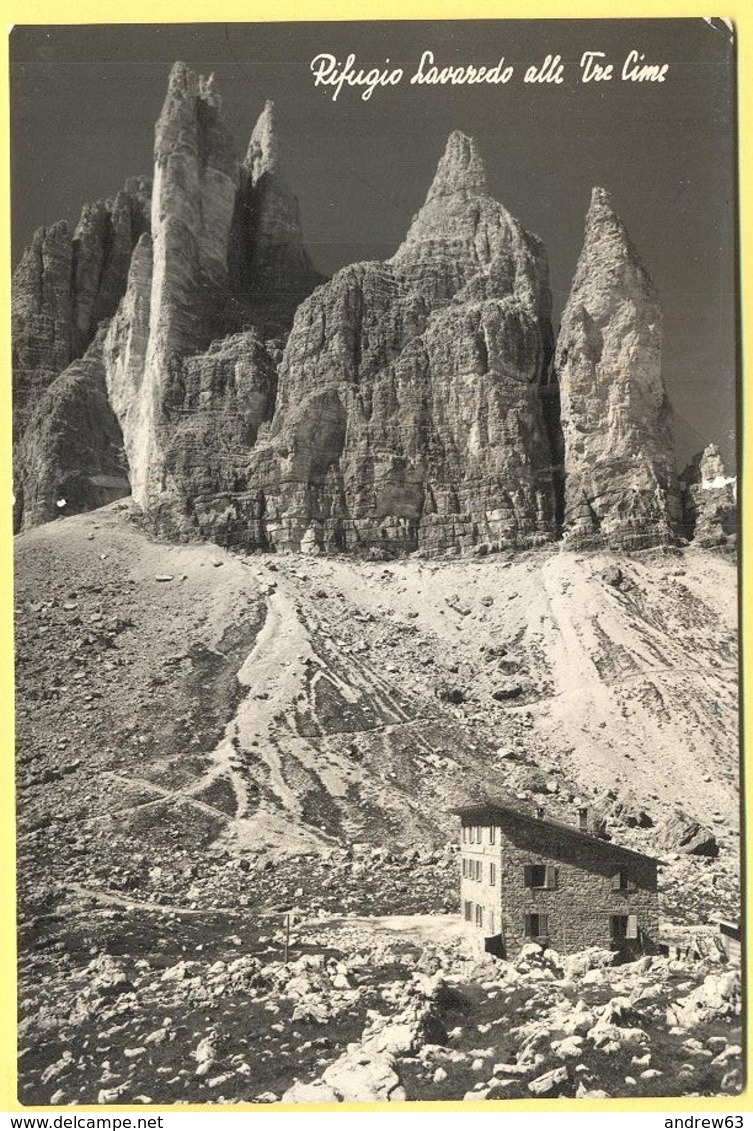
x: 376, y: 582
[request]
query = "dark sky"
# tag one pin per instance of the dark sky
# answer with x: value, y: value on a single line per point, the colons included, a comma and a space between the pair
x: 84, y: 101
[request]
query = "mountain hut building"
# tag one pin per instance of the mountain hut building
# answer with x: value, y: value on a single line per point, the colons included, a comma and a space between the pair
x: 530, y: 879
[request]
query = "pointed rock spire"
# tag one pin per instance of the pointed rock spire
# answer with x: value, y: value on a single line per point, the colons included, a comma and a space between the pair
x: 712, y: 465
x: 409, y: 411
x: 469, y: 234
x: 269, y: 265
x: 620, y: 483
x: 263, y: 154
x: 209, y: 93
x: 601, y: 202
x: 608, y: 249
x: 197, y: 174
x: 460, y: 169
x: 709, y: 500
x: 190, y: 121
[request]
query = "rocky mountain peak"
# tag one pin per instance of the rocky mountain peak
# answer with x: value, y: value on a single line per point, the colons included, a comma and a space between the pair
x: 712, y: 465
x: 461, y: 231
x: 185, y: 83
x: 609, y: 252
x: 181, y: 79
x: 601, y: 201
x: 709, y: 500
x: 621, y: 485
x: 401, y: 405
x: 208, y: 91
x: 190, y: 121
x: 416, y: 421
x: 263, y: 154
x: 461, y: 168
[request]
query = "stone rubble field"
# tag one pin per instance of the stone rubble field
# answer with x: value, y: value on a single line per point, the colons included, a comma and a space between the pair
x: 205, y: 740
x: 171, y: 1007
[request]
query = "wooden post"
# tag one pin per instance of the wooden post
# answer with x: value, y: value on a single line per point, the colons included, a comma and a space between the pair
x: 287, y: 935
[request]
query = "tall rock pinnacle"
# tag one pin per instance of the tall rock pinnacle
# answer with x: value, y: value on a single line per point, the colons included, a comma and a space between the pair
x: 709, y: 498
x: 196, y: 179
x: 620, y: 483
x: 263, y: 154
x: 271, y: 270
x: 226, y: 265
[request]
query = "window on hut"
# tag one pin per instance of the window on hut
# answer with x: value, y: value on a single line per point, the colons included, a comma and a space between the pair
x: 540, y: 876
x: 623, y: 927
x: 536, y: 926
x: 622, y: 882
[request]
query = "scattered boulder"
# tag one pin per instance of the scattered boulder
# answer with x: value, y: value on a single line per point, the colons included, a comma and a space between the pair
x: 683, y: 833
x: 550, y: 1083
x: 593, y: 958
x: 106, y: 977
x: 613, y: 576
x: 719, y: 995
x: 449, y: 693
x: 315, y: 1092
x: 359, y: 1077
x: 507, y: 691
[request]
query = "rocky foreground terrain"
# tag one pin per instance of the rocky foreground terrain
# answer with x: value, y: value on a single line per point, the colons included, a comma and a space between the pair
x: 209, y: 742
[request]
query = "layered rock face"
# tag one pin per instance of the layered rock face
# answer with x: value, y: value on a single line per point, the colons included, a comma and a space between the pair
x: 41, y: 316
x: 103, y: 242
x: 71, y: 456
x: 621, y: 489
x: 709, y: 500
x: 228, y: 394
x: 410, y: 411
x: 65, y: 286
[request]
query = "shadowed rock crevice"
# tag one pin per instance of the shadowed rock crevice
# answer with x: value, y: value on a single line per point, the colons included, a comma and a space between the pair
x: 269, y: 267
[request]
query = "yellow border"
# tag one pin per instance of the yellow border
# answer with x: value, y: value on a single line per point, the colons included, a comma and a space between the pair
x: 234, y: 11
